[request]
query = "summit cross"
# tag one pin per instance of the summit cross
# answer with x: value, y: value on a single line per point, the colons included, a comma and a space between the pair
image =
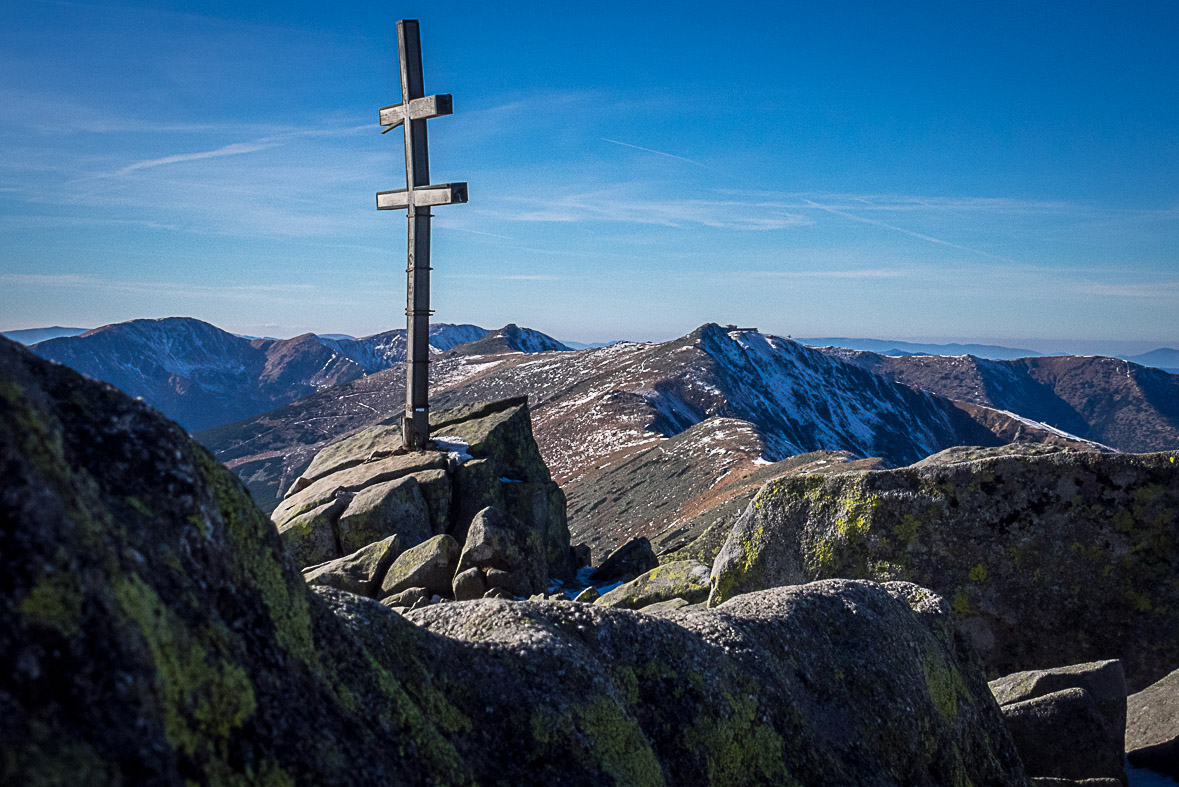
x: 417, y: 198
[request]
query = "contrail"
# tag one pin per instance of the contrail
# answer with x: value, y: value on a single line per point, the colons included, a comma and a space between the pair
x: 656, y: 152
x: 902, y: 230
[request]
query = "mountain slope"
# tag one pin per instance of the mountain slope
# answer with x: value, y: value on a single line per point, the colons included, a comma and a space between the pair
x: 198, y: 374
x: 512, y: 338
x: 1108, y: 400
x: 383, y: 350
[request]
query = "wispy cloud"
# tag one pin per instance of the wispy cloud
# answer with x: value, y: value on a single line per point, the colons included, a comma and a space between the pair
x: 35, y: 222
x: 863, y: 273
x: 512, y: 277
x: 96, y: 283
x: 451, y: 228
x: 1149, y: 290
x: 236, y: 149
x: 619, y: 204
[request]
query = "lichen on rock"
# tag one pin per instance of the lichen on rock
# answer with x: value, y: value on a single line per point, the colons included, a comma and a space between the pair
x: 1048, y: 556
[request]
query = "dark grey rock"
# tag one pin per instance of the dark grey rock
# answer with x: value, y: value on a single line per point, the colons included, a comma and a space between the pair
x: 469, y: 584
x: 361, y: 572
x: 429, y: 565
x: 627, y: 562
x: 1064, y: 735
x: 831, y: 683
x: 1103, y: 680
x: 499, y: 542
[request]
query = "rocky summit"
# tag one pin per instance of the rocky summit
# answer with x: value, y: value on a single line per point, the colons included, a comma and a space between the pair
x: 1048, y: 556
x: 481, y: 491
x: 154, y: 630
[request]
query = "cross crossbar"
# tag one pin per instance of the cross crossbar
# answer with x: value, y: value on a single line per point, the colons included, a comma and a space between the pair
x: 423, y: 196
x: 419, y: 109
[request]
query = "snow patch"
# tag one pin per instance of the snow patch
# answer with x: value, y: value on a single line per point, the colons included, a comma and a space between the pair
x: 455, y: 447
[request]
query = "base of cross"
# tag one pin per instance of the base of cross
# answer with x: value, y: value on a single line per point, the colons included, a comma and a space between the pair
x: 415, y: 430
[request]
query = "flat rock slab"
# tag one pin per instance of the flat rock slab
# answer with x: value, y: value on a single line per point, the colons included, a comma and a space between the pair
x: 367, y: 445
x: 353, y: 479
x: 361, y: 572
x: 627, y: 562
x: 384, y: 509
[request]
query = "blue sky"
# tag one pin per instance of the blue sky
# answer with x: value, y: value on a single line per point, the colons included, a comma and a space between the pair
x: 985, y: 171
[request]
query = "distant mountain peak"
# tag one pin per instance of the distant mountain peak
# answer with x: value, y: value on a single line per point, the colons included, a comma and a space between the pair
x: 512, y: 338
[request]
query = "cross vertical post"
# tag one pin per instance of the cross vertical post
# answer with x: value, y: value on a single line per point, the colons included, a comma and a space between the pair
x: 417, y: 197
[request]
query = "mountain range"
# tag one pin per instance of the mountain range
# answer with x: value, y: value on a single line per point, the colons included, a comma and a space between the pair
x: 655, y: 440
x: 663, y: 440
x: 29, y: 336
x: 894, y: 347
x: 1107, y: 400
x: 1164, y: 358
x: 202, y: 376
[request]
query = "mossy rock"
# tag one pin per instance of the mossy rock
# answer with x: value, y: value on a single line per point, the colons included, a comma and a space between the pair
x: 681, y: 579
x: 361, y: 572
x: 390, y: 508
x: 311, y: 538
x: 430, y: 565
x: 1047, y: 556
x: 830, y: 683
x: 153, y: 629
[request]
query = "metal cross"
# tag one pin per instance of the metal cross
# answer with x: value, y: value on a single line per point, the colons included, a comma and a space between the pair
x: 417, y: 198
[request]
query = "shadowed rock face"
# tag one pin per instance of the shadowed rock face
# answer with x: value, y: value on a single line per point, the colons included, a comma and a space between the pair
x: 831, y: 683
x: 1067, y: 722
x: 1048, y: 557
x: 153, y: 631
